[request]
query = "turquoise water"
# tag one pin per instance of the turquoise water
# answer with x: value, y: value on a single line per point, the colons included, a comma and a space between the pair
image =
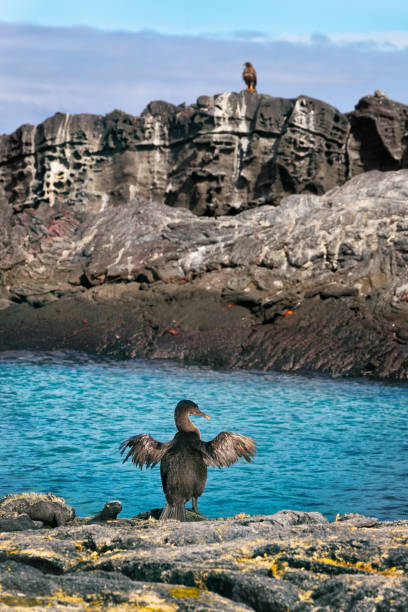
x: 323, y: 445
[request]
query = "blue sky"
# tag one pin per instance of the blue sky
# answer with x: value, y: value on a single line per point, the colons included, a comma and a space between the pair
x: 85, y: 56
x: 297, y: 17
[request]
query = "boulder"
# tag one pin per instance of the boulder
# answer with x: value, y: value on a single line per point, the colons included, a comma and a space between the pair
x: 378, y: 134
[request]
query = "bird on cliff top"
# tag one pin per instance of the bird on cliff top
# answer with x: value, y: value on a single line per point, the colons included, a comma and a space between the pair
x: 185, y: 459
x: 249, y: 76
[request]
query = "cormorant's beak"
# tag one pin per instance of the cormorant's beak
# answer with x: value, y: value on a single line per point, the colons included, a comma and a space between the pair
x: 199, y: 413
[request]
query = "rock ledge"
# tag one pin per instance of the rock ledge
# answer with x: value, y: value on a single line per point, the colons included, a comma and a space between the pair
x: 290, y: 560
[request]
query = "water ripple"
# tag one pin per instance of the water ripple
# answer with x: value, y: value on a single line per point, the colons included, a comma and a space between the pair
x: 323, y: 444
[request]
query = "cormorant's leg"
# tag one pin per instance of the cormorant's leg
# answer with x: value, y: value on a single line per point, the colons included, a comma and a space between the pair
x: 194, y: 502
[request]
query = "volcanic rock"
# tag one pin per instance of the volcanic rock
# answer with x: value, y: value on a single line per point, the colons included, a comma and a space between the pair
x: 290, y: 560
x: 219, y: 156
x: 90, y: 261
x: 317, y: 283
x: 378, y: 135
x: 18, y: 522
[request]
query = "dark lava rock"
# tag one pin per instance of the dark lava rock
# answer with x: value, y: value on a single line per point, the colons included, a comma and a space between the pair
x: 99, y: 254
x: 378, y: 134
x: 227, y: 153
x: 18, y: 508
x: 285, y: 561
x: 317, y: 283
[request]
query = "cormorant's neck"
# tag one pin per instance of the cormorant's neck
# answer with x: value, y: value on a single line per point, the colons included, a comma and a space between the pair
x: 184, y: 424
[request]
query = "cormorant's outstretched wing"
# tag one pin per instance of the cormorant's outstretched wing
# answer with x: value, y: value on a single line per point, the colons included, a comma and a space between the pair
x: 227, y: 448
x: 144, y: 450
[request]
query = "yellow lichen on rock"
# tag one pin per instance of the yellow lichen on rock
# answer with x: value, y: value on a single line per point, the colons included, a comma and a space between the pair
x: 36, y: 552
x: 88, y: 555
x: 241, y: 515
x: 9, y: 547
x: 151, y: 601
x: 264, y: 561
x: 360, y: 565
x: 64, y: 598
x: 185, y: 592
x: 274, y: 564
x: 16, y: 602
x: 59, y: 600
x: 278, y: 569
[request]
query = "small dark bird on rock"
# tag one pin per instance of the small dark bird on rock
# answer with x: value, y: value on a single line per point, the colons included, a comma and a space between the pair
x: 185, y: 459
x: 249, y: 76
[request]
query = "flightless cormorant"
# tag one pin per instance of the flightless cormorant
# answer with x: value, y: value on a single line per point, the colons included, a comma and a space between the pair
x: 185, y: 459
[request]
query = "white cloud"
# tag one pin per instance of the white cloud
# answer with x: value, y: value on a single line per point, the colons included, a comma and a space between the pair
x: 44, y: 70
x: 380, y: 41
x: 383, y: 40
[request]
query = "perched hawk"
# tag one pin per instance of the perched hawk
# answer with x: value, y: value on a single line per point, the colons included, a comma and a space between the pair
x: 249, y: 76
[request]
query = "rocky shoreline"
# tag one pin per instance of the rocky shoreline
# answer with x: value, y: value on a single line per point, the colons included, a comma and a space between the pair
x: 100, y: 254
x: 290, y: 560
x: 317, y: 284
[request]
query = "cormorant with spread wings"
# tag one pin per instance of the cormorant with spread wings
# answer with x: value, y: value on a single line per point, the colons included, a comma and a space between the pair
x: 185, y: 459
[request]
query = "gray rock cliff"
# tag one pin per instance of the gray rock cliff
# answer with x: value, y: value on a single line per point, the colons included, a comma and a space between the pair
x: 306, y: 283
x: 219, y: 156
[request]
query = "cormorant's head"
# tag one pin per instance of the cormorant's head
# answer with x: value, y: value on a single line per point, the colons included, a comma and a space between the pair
x: 247, y: 65
x: 190, y: 408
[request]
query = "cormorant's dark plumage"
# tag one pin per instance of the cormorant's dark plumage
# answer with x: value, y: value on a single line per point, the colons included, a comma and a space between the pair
x: 185, y: 459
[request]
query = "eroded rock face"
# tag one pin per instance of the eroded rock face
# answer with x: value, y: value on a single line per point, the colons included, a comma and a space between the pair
x: 285, y: 561
x: 378, y: 134
x: 315, y: 284
x: 222, y: 155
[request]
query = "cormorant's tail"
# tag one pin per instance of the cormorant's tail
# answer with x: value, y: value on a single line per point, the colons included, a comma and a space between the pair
x: 175, y: 511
